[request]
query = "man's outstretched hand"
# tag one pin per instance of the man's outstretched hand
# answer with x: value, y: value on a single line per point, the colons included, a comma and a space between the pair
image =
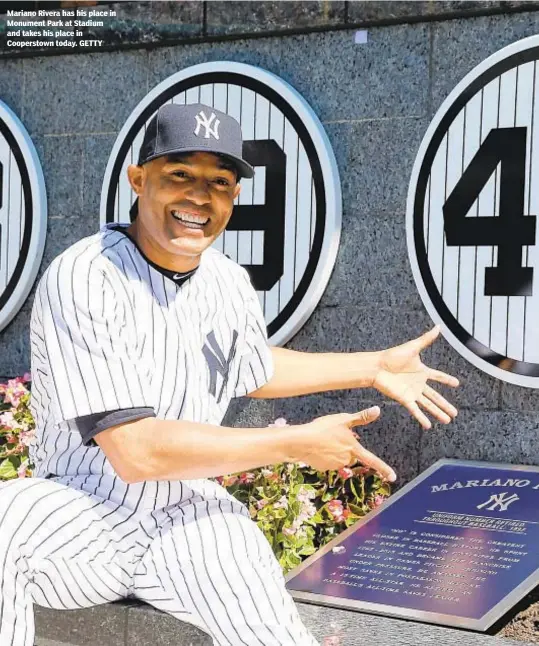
x: 403, y: 377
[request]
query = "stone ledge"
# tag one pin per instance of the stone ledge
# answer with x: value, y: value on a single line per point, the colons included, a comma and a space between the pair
x: 245, y: 17
x: 146, y: 24
x: 130, y: 623
x: 363, y: 12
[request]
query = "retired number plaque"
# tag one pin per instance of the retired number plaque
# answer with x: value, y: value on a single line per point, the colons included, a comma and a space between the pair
x: 457, y: 546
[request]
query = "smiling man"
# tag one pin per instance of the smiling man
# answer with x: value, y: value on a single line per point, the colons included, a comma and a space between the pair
x: 187, y: 179
x: 141, y: 335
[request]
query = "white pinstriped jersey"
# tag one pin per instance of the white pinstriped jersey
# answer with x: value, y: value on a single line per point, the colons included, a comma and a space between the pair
x: 110, y: 332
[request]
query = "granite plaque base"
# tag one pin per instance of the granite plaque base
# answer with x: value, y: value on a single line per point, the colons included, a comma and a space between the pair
x: 457, y: 546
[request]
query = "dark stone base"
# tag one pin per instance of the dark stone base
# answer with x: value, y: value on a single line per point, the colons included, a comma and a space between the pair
x: 129, y: 623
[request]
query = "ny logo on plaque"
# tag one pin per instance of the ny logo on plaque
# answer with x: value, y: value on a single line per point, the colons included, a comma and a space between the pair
x: 457, y: 546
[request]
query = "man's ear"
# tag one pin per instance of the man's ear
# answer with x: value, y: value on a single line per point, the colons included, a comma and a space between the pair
x: 135, y: 175
x: 237, y: 190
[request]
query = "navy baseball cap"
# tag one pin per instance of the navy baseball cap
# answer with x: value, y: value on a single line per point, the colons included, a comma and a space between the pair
x: 177, y: 129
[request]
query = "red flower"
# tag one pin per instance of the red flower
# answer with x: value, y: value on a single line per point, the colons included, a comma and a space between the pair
x: 334, y: 505
x: 335, y: 508
x: 246, y: 478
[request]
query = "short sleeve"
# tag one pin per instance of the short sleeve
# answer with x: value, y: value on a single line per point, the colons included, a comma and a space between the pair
x: 91, y: 425
x: 90, y: 342
x: 256, y: 362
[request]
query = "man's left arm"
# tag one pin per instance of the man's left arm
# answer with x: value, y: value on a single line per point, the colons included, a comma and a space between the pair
x: 302, y: 373
x: 397, y: 372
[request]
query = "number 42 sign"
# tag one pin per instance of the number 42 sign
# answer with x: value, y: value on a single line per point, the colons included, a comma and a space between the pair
x: 472, y: 215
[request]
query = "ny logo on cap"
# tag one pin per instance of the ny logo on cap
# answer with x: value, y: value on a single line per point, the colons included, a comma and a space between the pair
x: 205, y: 122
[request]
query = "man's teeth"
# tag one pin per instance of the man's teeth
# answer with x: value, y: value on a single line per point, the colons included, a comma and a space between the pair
x: 189, y: 218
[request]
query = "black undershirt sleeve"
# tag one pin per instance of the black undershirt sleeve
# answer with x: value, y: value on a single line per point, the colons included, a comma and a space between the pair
x: 90, y: 425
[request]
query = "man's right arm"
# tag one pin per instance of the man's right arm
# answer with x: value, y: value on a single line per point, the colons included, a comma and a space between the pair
x: 156, y: 449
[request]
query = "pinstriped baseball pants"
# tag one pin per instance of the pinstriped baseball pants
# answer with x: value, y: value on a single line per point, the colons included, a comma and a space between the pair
x: 207, y: 564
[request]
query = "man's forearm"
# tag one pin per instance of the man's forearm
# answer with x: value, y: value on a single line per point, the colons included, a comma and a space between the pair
x: 302, y: 373
x: 155, y: 449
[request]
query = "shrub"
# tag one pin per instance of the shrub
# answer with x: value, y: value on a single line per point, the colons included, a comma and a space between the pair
x: 300, y: 509
x: 16, y: 428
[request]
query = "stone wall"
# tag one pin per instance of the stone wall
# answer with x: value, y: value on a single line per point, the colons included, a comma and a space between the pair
x: 375, y: 101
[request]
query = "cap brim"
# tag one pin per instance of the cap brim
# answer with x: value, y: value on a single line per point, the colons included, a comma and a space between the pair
x: 244, y: 169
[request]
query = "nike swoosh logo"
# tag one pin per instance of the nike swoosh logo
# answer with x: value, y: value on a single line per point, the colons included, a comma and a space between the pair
x: 177, y: 276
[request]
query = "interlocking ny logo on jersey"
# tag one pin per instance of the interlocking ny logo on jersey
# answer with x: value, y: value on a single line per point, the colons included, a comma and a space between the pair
x: 205, y: 122
x: 217, y: 362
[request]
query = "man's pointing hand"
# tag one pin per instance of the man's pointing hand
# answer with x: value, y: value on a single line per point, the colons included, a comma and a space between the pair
x: 329, y: 443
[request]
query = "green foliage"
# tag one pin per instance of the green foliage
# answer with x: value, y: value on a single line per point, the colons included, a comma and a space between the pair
x: 16, y: 429
x: 300, y: 509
